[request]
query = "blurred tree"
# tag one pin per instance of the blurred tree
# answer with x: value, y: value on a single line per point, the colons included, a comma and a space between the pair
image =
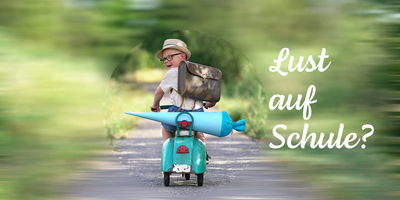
x: 258, y: 24
x: 103, y: 29
x: 388, y: 77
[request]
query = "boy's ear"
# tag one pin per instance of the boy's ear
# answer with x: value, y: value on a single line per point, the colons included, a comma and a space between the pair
x: 184, y: 56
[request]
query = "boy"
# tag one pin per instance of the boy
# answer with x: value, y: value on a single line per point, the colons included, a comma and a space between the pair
x: 173, y: 52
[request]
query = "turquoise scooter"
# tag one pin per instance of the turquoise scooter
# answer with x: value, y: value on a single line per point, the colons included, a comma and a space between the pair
x: 183, y: 153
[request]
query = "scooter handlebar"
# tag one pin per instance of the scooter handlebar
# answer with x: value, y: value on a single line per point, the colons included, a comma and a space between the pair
x: 168, y: 106
x: 162, y: 107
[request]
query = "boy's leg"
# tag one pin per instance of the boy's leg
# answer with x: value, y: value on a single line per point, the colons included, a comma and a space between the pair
x: 166, y: 134
x: 200, y: 136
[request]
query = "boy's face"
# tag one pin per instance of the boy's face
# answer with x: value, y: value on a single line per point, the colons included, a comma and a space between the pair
x: 176, y: 59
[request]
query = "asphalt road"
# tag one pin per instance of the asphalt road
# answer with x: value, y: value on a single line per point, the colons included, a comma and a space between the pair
x: 107, y: 179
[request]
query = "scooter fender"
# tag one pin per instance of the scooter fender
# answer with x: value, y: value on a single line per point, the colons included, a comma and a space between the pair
x: 199, y: 157
x: 167, y: 155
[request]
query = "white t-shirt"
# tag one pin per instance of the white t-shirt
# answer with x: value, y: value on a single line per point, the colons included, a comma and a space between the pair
x: 169, y: 82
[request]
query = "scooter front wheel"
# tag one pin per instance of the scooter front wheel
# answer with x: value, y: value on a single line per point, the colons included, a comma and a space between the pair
x: 166, y: 178
x: 200, y: 178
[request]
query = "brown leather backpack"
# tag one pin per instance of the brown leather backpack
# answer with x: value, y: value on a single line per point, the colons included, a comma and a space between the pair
x: 199, y: 82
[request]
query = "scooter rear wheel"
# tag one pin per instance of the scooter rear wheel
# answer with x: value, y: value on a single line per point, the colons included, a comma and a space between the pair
x: 200, y: 178
x: 187, y: 176
x: 166, y: 178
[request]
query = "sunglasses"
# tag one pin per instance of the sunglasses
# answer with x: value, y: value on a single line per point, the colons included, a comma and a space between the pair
x: 169, y: 57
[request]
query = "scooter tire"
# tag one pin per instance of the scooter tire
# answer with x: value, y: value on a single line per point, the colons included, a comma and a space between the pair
x: 200, y: 178
x: 187, y: 176
x: 166, y: 178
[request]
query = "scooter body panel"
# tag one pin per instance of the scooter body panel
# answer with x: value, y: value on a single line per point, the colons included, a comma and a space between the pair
x: 167, y: 155
x: 198, y: 157
x: 182, y: 158
x: 171, y: 161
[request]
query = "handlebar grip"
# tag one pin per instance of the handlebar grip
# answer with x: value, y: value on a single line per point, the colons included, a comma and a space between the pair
x: 166, y: 106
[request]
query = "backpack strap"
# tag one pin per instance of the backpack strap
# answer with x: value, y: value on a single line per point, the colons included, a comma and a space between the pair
x: 183, y: 99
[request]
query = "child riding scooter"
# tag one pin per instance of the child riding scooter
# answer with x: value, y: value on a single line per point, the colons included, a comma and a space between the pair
x: 184, y: 153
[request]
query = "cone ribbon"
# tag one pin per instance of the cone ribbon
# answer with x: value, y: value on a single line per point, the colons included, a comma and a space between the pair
x: 214, y: 123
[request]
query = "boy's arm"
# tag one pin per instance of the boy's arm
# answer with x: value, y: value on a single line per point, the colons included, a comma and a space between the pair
x: 158, y: 94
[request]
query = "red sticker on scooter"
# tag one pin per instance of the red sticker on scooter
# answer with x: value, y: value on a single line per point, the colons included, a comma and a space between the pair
x: 182, y: 149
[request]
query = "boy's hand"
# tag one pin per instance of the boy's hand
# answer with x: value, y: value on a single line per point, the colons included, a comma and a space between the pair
x: 155, y: 108
x: 210, y: 104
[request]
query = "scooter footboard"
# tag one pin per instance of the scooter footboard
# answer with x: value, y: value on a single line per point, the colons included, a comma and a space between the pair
x: 167, y: 155
x: 199, y: 157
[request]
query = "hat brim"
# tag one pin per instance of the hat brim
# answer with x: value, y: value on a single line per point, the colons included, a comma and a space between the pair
x: 179, y: 48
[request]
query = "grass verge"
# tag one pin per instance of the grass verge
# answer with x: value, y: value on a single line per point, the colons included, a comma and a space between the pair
x: 123, y: 97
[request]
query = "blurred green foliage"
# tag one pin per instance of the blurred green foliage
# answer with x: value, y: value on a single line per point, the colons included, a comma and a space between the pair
x: 388, y: 77
x: 49, y: 122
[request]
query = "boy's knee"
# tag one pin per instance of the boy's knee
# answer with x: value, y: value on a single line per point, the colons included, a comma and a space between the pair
x: 200, y: 136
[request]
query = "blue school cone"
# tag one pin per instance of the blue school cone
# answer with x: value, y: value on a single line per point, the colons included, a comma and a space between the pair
x: 214, y: 123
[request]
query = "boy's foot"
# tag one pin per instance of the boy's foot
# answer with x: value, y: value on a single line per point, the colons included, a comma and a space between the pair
x: 208, y: 158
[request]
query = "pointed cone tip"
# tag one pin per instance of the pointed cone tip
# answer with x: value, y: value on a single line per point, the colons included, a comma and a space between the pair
x: 239, y: 125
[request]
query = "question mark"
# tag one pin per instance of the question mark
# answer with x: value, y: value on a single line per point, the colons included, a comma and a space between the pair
x: 364, y: 138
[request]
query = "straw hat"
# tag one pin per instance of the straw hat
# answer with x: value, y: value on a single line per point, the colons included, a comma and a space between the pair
x: 174, y: 44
